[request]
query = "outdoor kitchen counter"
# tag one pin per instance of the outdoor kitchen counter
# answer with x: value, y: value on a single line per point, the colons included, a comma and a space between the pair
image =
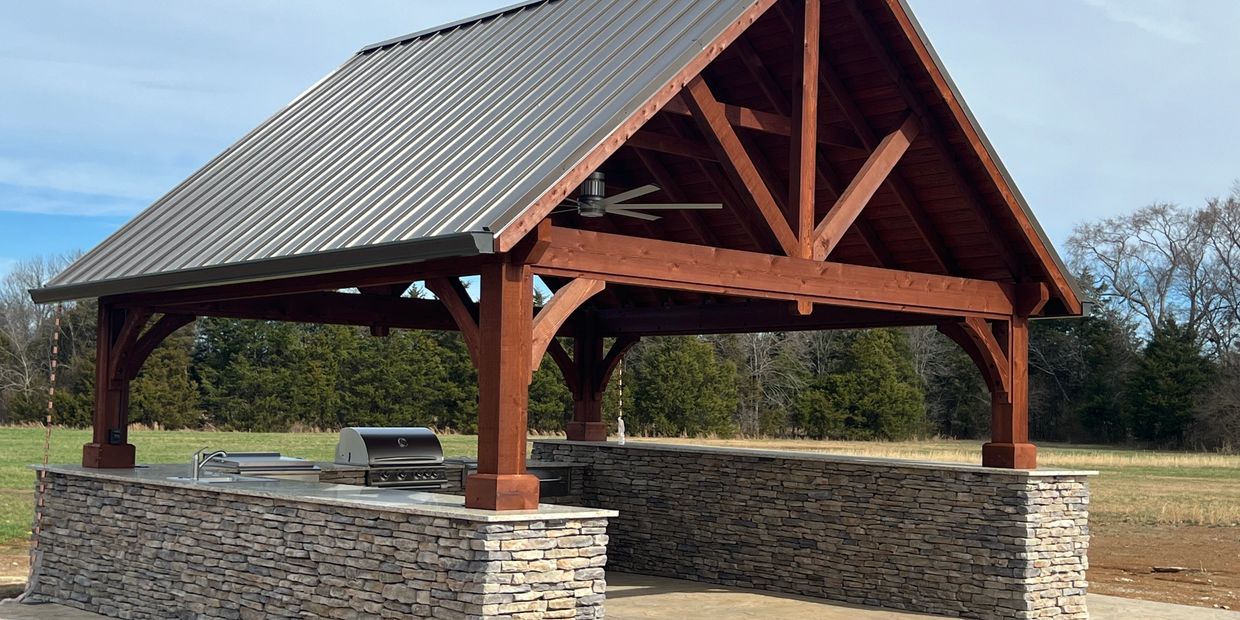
x: 341, y: 495
x: 132, y: 543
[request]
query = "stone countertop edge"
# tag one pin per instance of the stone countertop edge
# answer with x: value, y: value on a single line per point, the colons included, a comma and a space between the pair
x: 348, y: 496
x: 824, y: 457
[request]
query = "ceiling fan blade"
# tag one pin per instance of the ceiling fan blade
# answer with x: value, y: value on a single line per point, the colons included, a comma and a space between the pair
x: 672, y: 206
x: 629, y: 195
x: 634, y: 214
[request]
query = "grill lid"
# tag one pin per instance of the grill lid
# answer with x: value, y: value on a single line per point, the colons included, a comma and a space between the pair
x: 388, y: 447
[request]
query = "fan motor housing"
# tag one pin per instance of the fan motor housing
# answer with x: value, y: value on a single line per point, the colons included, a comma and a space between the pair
x: 592, y: 192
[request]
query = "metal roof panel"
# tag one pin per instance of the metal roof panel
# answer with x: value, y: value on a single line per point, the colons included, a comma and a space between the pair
x: 450, y: 131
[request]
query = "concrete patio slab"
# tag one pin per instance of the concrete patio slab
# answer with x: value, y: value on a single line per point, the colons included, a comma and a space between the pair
x: 638, y: 597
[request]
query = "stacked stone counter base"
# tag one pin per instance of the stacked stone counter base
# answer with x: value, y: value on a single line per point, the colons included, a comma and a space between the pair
x: 935, y: 538
x: 145, y: 549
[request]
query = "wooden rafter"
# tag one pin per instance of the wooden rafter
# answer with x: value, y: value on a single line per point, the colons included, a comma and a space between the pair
x: 553, y: 315
x: 830, y: 231
x: 775, y: 125
x: 665, y: 264
x: 456, y: 301
x: 671, y: 145
x: 709, y: 114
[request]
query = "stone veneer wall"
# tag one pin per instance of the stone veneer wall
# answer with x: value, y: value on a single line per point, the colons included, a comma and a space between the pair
x: 942, y: 539
x: 135, y: 550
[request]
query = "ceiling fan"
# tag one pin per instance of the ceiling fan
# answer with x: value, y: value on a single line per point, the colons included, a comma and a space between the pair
x: 593, y: 201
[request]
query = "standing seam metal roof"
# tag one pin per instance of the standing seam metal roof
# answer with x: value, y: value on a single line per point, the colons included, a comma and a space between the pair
x: 446, y: 134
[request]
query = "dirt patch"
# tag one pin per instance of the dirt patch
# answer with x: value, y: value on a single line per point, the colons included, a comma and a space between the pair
x: 1122, y: 557
x: 14, y: 565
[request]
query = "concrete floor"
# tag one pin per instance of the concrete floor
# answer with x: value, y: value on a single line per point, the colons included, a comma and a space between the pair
x: 637, y: 597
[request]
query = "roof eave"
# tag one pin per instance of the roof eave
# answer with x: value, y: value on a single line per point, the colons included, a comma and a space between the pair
x: 385, y: 255
x: 1073, y: 295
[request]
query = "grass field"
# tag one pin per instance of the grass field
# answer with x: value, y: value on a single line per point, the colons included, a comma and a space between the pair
x: 1135, y: 487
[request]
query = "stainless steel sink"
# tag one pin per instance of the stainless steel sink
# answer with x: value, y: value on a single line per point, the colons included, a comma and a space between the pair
x: 205, y: 479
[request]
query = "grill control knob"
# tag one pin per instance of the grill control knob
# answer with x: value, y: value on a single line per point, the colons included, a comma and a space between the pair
x: 385, y: 476
x: 404, y: 475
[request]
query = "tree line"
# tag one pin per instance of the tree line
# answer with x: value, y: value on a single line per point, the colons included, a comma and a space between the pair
x: 1155, y: 363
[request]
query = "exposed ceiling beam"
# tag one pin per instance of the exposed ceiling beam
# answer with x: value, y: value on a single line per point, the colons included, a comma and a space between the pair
x: 680, y: 266
x: 648, y: 140
x: 328, y: 308
x: 462, y: 309
x: 551, y: 317
x: 747, y: 318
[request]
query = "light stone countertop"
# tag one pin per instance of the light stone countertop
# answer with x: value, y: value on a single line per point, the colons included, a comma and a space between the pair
x: 820, y: 456
x: 349, y: 496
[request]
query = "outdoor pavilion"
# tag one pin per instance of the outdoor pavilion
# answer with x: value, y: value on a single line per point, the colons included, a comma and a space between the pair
x: 858, y: 191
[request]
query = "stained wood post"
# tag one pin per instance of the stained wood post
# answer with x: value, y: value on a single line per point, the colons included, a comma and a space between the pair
x: 587, y: 423
x: 1009, y: 445
x: 505, y: 332
x: 109, y: 446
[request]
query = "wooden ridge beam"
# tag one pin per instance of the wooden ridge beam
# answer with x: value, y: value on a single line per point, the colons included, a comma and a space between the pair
x: 830, y: 231
x: 551, y: 317
x: 680, y: 266
x: 709, y: 114
x: 461, y: 308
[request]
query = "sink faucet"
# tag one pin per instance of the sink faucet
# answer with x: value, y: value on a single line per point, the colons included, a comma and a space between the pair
x: 198, y: 461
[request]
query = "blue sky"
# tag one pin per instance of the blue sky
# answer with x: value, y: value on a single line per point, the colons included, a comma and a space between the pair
x: 1096, y: 106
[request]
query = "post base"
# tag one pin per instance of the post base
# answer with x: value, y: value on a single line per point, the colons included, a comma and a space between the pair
x: 501, y: 492
x: 587, y: 431
x: 108, y: 456
x: 1010, y: 455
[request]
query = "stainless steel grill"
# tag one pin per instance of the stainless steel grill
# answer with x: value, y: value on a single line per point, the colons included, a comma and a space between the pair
x: 398, y: 457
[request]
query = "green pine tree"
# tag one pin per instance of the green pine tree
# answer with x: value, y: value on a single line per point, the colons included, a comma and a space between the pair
x: 1166, y: 384
x: 683, y: 388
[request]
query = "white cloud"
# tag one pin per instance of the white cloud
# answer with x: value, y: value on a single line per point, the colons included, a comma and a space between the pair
x: 1157, y: 17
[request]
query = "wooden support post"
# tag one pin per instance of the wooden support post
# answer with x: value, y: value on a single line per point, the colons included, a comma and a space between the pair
x: 505, y: 329
x: 587, y: 423
x: 1009, y: 445
x: 804, y: 163
x: 1001, y: 353
x: 109, y: 447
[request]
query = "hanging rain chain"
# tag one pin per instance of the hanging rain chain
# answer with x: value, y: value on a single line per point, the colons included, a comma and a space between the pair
x: 53, y: 363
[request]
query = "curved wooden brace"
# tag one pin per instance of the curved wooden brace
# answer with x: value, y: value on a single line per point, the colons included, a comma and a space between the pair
x: 135, y: 320
x: 562, y: 359
x: 978, y: 340
x: 553, y: 315
x: 452, y: 295
x: 145, y: 345
x: 612, y: 360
